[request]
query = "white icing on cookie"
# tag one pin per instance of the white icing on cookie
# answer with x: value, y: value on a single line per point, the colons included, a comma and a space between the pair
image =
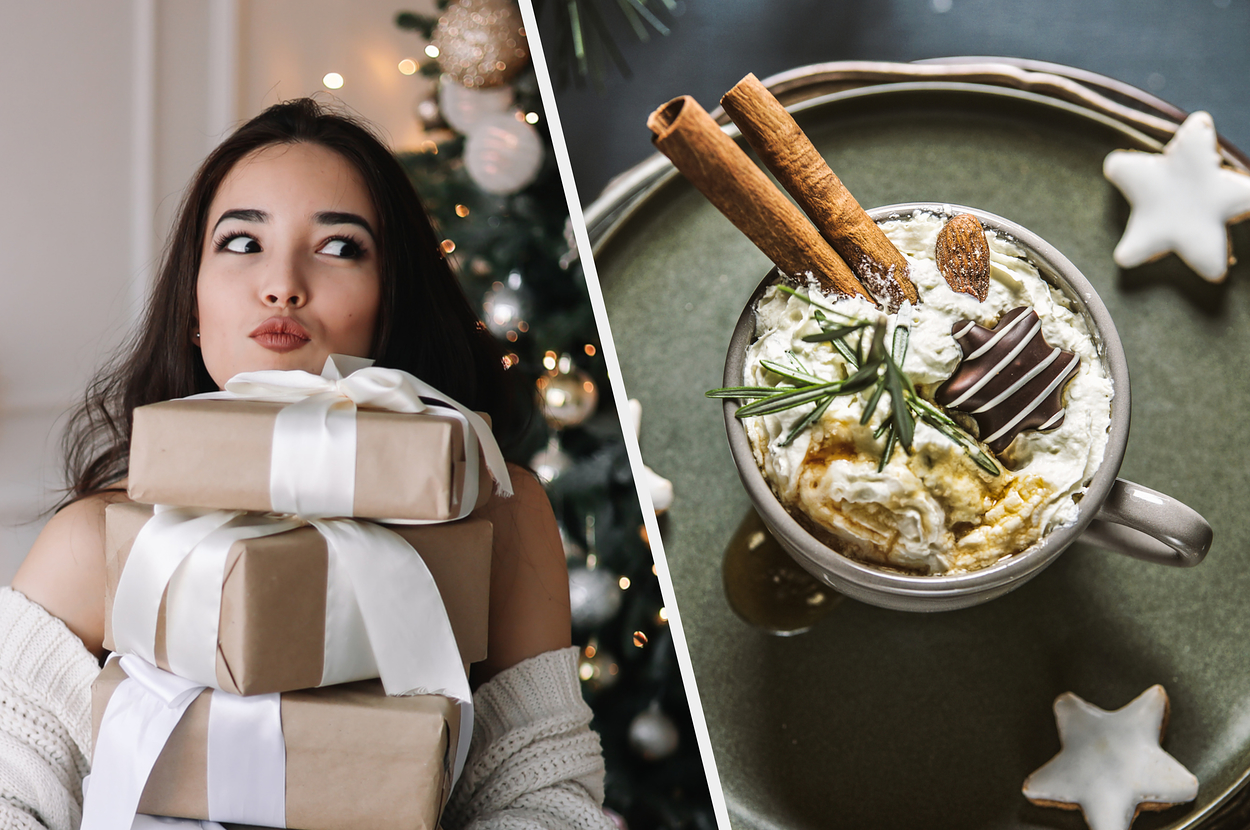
x: 661, y: 488
x: 1111, y: 762
x: 1182, y: 200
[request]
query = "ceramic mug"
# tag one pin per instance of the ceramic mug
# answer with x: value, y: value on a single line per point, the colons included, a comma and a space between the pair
x: 1113, y: 513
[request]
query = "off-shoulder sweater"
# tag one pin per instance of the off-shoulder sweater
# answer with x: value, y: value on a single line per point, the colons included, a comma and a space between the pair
x: 533, y: 762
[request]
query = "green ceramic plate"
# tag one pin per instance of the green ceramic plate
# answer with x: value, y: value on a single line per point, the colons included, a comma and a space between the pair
x: 885, y: 719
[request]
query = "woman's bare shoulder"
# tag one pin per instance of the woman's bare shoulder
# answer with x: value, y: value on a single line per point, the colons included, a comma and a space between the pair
x: 529, y: 602
x: 64, y: 571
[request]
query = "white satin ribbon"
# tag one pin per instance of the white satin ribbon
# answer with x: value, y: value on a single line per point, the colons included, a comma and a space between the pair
x: 312, y: 469
x: 384, y: 614
x: 161, y: 546
x: 412, y: 641
x: 246, y: 750
x: 246, y: 760
x: 185, y: 550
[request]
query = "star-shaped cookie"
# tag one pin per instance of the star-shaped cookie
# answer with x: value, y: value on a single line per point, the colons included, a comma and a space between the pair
x: 1182, y: 200
x: 1111, y: 765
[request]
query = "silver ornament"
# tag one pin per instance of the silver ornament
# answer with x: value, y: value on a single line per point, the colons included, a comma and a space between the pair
x: 504, y: 310
x: 652, y: 734
x: 594, y: 596
x: 549, y: 462
x: 568, y: 396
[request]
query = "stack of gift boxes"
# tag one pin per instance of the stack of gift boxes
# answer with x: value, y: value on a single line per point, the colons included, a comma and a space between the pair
x: 354, y: 755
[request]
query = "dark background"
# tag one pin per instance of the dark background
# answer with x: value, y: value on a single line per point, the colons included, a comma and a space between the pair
x: 1192, y: 53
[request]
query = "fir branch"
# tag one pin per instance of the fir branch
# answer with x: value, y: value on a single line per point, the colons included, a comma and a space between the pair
x: 586, y: 43
x: 423, y: 24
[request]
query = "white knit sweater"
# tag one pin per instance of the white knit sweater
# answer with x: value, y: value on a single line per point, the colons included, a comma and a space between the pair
x: 534, y: 763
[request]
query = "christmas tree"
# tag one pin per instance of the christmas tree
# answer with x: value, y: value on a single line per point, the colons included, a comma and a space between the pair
x: 488, y: 178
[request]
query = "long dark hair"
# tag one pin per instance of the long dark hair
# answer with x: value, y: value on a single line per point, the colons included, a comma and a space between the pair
x: 425, y: 324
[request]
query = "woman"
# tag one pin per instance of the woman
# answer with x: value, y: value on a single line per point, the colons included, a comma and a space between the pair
x: 299, y: 237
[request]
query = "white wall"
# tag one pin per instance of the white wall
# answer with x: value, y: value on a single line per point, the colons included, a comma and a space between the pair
x: 108, y: 109
x: 287, y: 47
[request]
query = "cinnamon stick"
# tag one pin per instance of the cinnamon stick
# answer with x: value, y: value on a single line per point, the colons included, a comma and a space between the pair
x: 722, y: 171
x: 777, y: 138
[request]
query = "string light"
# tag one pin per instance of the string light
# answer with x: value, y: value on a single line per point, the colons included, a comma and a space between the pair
x: 448, y: 246
x: 432, y: 50
x: 640, y: 639
x: 623, y: 582
x: 462, y: 211
x: 531, y: 118
x: 549, y: 361
x: 589, y: 349
x: 408, y: 66
x: 663, y: 615
x: 333, y: 80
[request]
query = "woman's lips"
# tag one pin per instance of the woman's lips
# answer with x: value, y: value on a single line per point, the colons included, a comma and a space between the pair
x: 280, y: 334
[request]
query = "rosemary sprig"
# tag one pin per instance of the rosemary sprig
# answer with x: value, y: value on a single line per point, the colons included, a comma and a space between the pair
x: 877, y: 368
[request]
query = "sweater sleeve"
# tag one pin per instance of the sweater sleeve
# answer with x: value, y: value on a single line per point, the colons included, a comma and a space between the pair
x: 45, y: 717
x: 534, y: 763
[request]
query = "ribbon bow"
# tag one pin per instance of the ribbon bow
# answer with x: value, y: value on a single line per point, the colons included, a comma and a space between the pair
x: 363, y: 385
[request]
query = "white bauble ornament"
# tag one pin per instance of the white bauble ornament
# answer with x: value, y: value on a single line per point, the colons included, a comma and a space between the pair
x: 652, y: 734
x: 463, y: 108
x: 502, y: 154
x: 594, y: 596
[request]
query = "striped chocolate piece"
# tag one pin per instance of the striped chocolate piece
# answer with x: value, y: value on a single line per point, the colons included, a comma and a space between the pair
x: 1010, y: 379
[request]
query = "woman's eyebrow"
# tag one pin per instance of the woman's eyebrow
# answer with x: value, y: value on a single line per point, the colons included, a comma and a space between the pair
x: 246, y: 214
x: 331, y: 217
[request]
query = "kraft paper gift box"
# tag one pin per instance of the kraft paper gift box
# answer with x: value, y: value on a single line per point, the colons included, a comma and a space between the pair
x: 356, y: 759
x: 216, y: 453
x: 271, y: 636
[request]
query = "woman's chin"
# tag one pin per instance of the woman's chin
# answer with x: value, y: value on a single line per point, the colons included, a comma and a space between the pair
x: 308, y: 359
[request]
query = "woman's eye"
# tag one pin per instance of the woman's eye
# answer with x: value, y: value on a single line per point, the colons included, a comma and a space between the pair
x: 341, y: 247
x: 241, y: 244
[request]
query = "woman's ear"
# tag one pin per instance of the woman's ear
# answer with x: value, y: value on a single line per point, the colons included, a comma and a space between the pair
x: 195, y: 330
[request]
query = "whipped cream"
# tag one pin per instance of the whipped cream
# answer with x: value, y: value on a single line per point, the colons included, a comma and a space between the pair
x: 934, y: 511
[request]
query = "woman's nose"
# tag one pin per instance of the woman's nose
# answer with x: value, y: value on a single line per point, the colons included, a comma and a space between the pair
x: 284, y: 285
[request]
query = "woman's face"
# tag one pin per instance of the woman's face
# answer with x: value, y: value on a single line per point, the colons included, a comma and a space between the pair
x: 289, y: 266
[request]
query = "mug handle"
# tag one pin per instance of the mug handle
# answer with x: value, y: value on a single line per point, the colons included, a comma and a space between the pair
x: 1149, y: 525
